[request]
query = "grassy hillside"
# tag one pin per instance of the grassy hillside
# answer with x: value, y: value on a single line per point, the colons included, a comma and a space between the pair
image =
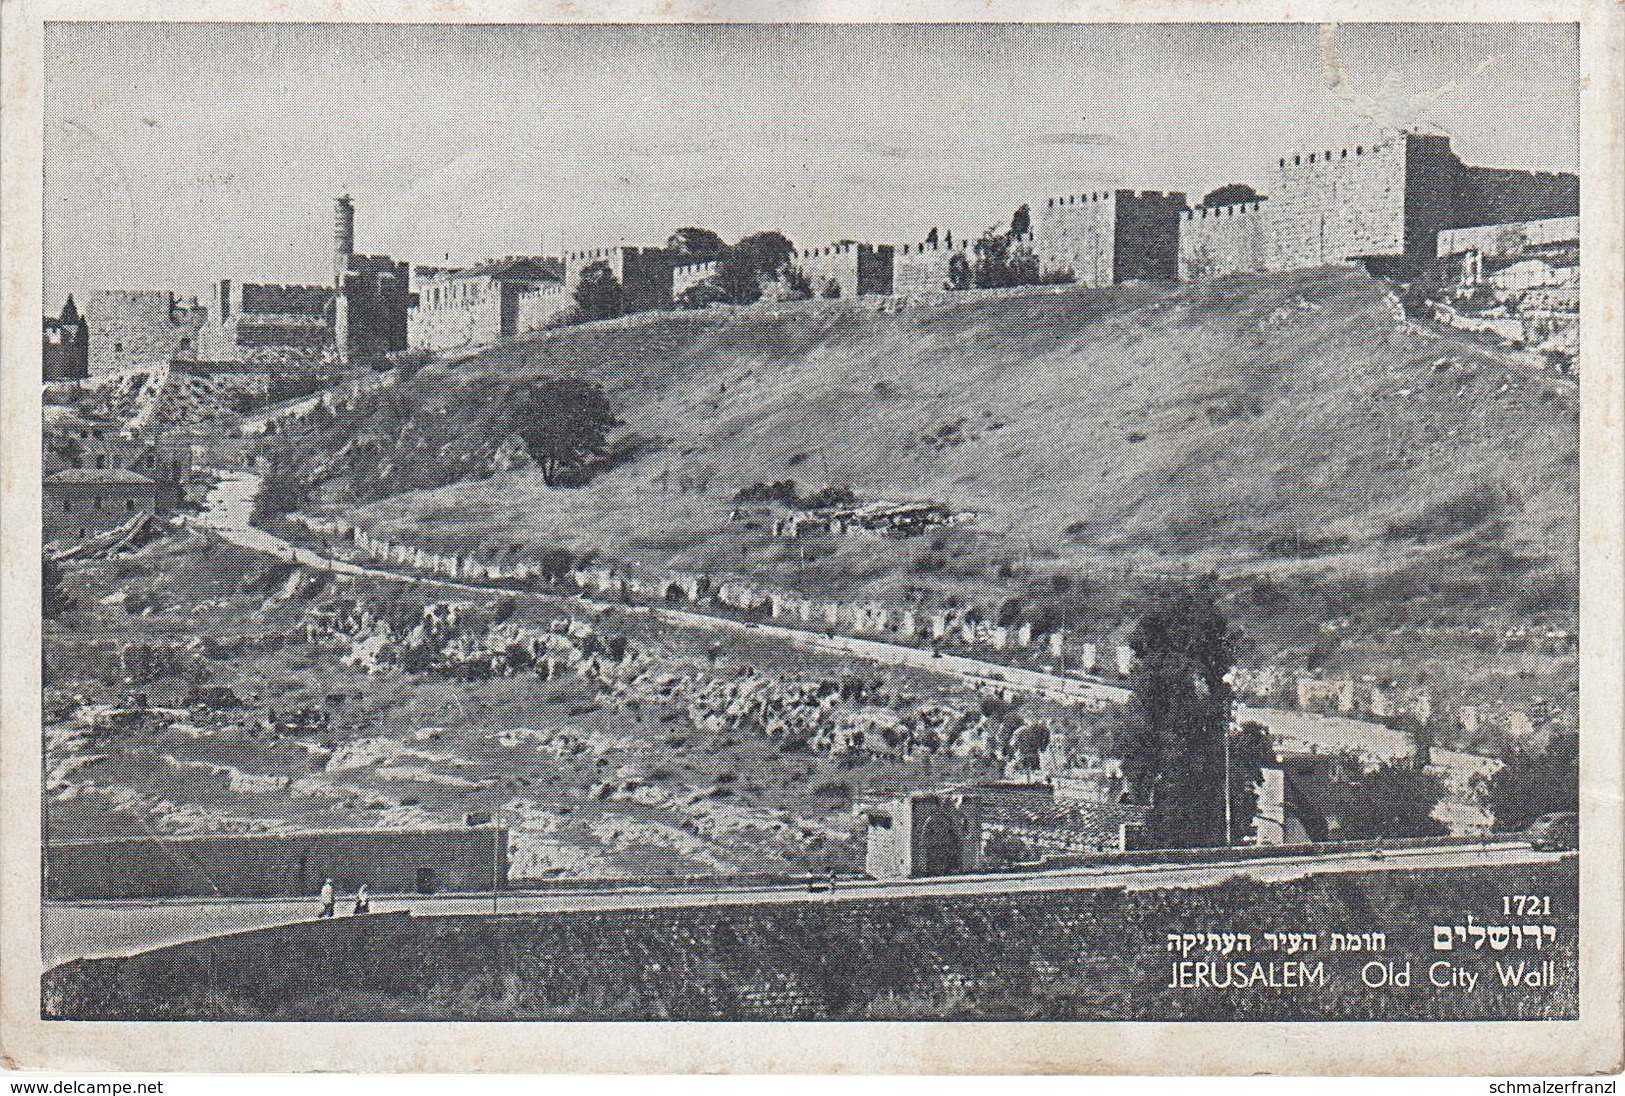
x: 1294, y: 427
x: 1086, y: 955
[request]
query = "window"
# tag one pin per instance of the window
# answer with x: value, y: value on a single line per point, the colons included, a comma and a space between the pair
x: 67, y: 506
x: 101, y: 460
x: 129, y: 506
x: 95, y: 502
x: 118, y: 348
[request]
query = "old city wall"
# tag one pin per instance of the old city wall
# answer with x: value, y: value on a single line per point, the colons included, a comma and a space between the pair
x: 470, y: 313
x: 378, y: 299
x: 1332, y: 205
x: 1145, y: 235
x: 919, y: 269
x: 875, y: 267
x: 540, y: 306
x: 140, y: 329
x: 1487, y: 195
x: 646, y: 278
x: 283, y: 300
x: 1220, y: 240
x: 258, y: 865
x: 689, y: 275
x: 1076, y: 235
x: 836, y: 264
x: 1431, y: 173
x: 645, y: 274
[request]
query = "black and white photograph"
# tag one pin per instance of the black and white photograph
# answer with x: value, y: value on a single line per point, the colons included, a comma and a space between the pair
x: 889, y: 522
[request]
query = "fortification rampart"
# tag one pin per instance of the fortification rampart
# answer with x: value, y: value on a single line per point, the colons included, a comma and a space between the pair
x: 282, y: 300
x: 1111, y: 236
x: 1334, y: 205
x: 927, y: 268
x: 1490, y: 195
x: 541, y: 306
x: 454, y: 311
x: 1074, y: 235
x: 689, y: 275
x: 140, y: 329
x: 1219, y: 240
x: 645, y: 274
x: 853, y: 269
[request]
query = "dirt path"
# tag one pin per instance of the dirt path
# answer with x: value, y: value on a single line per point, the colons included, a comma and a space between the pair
x: 229, y: 510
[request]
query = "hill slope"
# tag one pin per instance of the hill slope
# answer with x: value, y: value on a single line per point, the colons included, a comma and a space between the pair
x: 1198, y: 419
x: 1294, y: 426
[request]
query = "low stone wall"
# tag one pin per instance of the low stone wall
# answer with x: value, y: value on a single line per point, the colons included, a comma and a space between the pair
x: 264, y: 864
x: 1103, y: 954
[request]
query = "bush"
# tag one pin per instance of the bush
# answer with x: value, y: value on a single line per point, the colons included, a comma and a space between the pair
x: 784, y: 491
x: 829, y: 496
x: 703, y: 294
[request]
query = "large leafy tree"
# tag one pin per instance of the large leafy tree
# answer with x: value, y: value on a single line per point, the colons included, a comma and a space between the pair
x: 1395, y: 800
x: 1230, y: 194
x: 1182, y: 741
x: 698, y: 243
x: 598, y: 294
x: 1534, y: 782
x: 742, y: 268
x: 563, y: 421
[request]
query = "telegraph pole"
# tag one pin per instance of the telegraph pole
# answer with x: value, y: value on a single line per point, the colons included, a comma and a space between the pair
x: 496, y: 836
x: 1229, y: 835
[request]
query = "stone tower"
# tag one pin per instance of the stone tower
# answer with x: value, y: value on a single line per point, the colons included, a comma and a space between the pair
x: 343, y: 249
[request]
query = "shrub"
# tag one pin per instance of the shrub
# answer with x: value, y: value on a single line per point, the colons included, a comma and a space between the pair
x: 784, y: 491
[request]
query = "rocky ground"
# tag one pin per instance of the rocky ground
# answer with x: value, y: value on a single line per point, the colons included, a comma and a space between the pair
x: 195, y: 687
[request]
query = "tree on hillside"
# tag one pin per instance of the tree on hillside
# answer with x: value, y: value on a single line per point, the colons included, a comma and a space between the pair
x: 1230, y: 194
x: 1395, y: 800
x: 53, y: 601
x: 1021, y: 222
x: 698, y: 243
x: 1178, y: 748
x: 1533, y: 782
x: 598, y: 295
x: 742, y: 268
x: 563, y: 421
x: 702, y: 294
x: 1002, y: 262
x: 959, y: 272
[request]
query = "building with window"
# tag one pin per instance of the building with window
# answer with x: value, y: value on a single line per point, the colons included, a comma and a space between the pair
x: 81, y: 502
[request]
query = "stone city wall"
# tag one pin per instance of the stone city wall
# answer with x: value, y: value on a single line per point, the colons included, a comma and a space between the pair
x: 139, y: 329
x: 923, y: 269
x: 1332, y: 205
x: 542, y: 306
x: 1219, y: 240
x: 455, y: 312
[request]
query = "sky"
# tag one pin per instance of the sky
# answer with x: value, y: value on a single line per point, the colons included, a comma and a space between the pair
x: 177, y: 154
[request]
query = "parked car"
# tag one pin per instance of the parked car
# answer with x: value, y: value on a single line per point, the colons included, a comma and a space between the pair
x: 1559, y: 830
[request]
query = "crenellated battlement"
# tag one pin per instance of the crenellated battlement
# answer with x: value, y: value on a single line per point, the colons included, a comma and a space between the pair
x: 1328, y: 155
x: 1234, y: 209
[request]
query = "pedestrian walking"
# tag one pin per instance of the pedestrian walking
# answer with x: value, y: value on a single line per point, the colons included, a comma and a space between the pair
x: 363, y: 901
x: 327, y: 899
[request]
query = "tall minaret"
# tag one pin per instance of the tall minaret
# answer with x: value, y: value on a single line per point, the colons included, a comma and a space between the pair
x: 343, y: 248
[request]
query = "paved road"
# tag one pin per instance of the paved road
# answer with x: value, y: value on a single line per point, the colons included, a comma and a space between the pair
x: 94, y: 929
